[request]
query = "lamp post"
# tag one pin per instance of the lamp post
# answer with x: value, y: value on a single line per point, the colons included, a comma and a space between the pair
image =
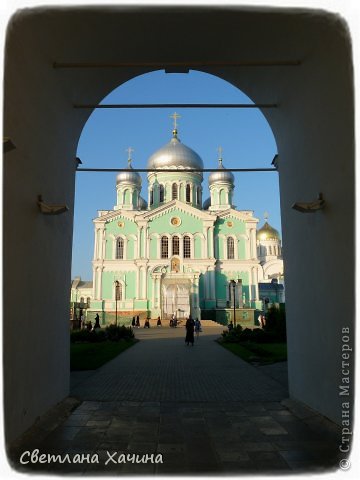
x: 116, y: 299
x: 233, y: 284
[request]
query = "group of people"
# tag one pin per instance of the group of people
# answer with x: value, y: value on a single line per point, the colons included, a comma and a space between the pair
x: 173, y: 321
x: 136, y: 322
x: 88, y: 325
x: 192, y: 326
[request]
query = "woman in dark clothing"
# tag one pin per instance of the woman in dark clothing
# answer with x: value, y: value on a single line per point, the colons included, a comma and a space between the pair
x: 189, y: 331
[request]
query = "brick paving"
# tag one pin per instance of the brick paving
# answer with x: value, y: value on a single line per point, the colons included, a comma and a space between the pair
x: 162, y: 368
x: 204, y: 409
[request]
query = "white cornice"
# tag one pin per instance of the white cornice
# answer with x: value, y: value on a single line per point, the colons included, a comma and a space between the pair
x: 186, y: 208
x: 116, y: 214
x: 245, y: 215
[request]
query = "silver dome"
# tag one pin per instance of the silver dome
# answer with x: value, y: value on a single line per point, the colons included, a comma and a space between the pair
x: 129, y: 177
x: 207, y: 204
x: 224, y: 176
x: 175, y: 155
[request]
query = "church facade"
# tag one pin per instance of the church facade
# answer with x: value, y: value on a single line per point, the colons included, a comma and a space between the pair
x: 176, y: 253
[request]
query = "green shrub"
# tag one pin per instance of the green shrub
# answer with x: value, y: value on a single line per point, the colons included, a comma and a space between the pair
x: 86, y: 336
x: 256, y: 335
x: 232, y: 336
x: 112, y: 333
x: 276, y: 323
x: 77, y: 336
x: 115, y: 333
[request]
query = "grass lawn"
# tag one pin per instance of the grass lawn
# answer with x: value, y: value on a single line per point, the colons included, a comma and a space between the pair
x: 258, y: 352
x: 89, y: 356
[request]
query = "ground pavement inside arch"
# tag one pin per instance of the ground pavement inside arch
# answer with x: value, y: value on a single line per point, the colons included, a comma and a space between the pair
x: 203, y: 408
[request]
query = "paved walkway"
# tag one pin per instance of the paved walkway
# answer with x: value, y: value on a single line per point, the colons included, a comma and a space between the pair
x: 162, y: 368
x: 202, y: 408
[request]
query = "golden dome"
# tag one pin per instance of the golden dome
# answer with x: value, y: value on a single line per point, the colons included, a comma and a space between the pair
x: 267, y: 232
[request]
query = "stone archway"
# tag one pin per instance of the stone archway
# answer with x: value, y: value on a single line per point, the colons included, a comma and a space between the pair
x: 308, y: 94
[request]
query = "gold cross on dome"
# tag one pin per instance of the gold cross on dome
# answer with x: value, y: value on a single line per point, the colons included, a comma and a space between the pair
x: 175, y: 116
x: 266, y: 216
x: 129, y: 150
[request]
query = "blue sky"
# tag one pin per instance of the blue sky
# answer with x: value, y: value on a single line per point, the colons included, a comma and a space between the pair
x: 244, y: 134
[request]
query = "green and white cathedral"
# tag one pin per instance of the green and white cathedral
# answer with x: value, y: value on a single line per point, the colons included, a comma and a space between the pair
x: 176, y: 253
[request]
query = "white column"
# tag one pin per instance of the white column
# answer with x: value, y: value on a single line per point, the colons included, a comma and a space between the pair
x: 142, y: 276
x: 147, y: 242
x: 158, y: 246
x: 212, y: 284
x: 100, y: 243
x: 153, y: 291
x: 103, y: 242
x: 211, y: 242
x: 197, y: 299
x: 99, y: 282
x: 96, y: 244
x: 94, y: 293
x: 206, y: 284
x: 138, y: 283
x: 250, y: 285
x: 240, y: 294
x: 138, y: 242
x: 247, y: 243
x: 181, y: 246
x: 253, y: 242
x: 145, y: 289
x: 157, y: 292
x: 156, y: 299
x: 255, y: 283
x: 216, y: 246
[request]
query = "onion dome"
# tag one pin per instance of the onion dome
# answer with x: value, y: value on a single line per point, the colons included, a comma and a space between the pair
x: 142, y: 203
x: 222, y: 176
x: 207, y: 204
x: 175, y: 155
x: 129, y: 177
x: 267, y: 232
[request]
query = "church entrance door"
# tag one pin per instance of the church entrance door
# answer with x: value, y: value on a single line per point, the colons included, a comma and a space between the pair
x: 176, y: 299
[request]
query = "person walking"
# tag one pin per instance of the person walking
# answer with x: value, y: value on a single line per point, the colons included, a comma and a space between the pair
x: 190, y: 324
x: 97, y: 322
x: 197, y: 328
x: 133, y: 322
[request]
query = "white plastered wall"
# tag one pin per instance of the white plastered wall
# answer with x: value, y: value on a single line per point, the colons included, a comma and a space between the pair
x: 313, y: 127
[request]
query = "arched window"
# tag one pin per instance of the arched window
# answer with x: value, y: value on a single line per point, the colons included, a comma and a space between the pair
x: 88, y: 302
x: 198, y: 195
x: 187, y: 249
x: 127, y: 197
x: 270, y: 250
x: 120, y: 248
x: 81, y: 299
x: 174, y: 191
x: 188, y: 193
x: 230, y: 248
x: 164, y: 247
x: 151, y: 196
x: 175, y: 246
x: 161, y: 193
